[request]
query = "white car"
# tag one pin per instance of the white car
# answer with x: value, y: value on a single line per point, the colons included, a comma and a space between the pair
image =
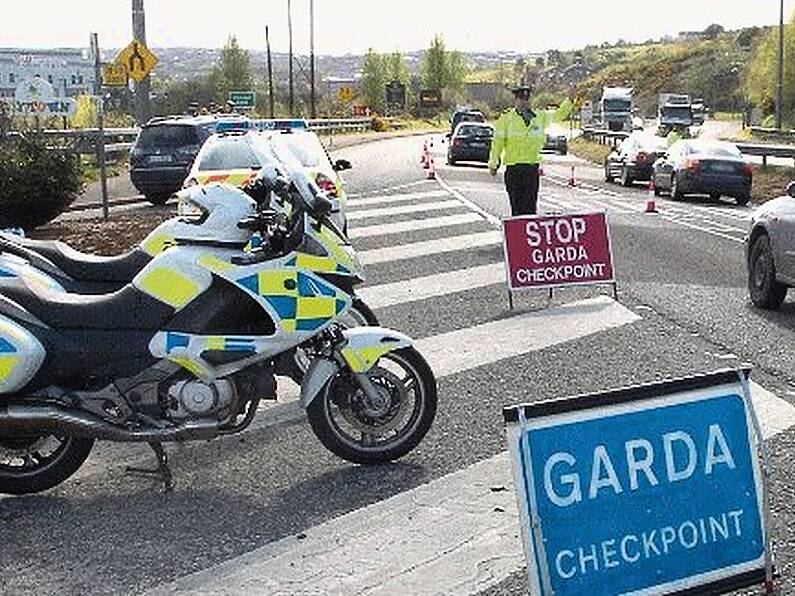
x: 305, y: 146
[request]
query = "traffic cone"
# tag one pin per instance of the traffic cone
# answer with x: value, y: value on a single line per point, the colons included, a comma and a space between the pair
x: 431, y: 144
x: 572, y: 178
x: 541, y: 171
x: 431, y: 169
x: 651, y: 201
x: 424, y: 154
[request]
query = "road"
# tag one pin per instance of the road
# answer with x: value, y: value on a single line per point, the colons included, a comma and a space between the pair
x: 272, y: 512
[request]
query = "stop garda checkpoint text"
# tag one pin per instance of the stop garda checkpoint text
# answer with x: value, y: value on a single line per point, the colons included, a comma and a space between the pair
x: 558, y: 250
x: 566, y: 484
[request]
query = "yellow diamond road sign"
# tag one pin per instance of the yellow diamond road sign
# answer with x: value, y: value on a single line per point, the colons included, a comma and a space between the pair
x: 137, y: 59
x: 114, y: 75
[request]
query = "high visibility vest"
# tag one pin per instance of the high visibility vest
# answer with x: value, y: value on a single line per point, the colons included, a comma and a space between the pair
x: 518, y: 143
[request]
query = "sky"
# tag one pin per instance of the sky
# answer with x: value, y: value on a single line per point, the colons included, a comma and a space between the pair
x: 353, y: 26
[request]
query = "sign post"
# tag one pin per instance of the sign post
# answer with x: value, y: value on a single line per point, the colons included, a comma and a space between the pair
x: 554, y: 251
x: 654, y: 489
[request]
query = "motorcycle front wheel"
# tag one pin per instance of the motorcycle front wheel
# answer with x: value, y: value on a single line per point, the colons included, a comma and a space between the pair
x: 34, y: 464
x: 352, y: 426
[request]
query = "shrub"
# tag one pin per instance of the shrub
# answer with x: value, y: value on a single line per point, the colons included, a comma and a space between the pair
x: 381, y: 125
x: 36, y: 184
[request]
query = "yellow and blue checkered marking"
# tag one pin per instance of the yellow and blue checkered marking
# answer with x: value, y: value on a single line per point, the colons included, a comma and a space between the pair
x: 175, y: 341
x: 6, y: 274
x: 6, y: 347
x: 300, y: 301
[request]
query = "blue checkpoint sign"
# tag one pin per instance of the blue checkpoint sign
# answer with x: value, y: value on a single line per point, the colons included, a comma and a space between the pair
x: 654, y: 489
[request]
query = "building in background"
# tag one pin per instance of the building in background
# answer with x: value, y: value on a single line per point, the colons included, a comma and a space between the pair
x: 70, y: 72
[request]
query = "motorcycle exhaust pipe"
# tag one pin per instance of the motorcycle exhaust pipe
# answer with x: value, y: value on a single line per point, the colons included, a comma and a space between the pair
x: 21, y: 420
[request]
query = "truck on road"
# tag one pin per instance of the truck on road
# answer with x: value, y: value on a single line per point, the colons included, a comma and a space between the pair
x: 617, y: 108
x: 675, y: 110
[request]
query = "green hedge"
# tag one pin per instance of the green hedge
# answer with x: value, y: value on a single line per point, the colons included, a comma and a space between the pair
x: 36, y: 184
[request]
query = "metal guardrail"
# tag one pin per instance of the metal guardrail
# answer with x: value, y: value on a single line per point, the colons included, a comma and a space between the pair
x: 765, y: 151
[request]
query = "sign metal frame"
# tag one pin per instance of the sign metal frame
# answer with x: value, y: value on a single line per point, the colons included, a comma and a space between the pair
x: 520, y: 419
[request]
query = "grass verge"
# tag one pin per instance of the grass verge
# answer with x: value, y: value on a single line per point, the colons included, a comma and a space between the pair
x: 590, y: 150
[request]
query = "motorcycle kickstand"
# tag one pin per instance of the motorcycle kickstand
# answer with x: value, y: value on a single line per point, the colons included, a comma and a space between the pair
x: 162, y: 470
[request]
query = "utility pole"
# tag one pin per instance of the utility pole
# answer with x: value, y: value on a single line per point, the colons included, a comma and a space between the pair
x: 100, y: 137
x: 143, y: 108
x: 270, y: 69
x: 780, y: 82
x: 290, y: 51
x: 312, y: 56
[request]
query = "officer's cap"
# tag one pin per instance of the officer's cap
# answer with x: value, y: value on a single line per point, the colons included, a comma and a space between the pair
x: 523, y: 91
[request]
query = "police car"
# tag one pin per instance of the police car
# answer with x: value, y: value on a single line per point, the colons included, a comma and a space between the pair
x: 305, y: 147
x: 233, y: 157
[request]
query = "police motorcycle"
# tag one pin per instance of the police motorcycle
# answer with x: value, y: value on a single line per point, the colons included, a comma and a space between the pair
x: 56, y: 266
x: 186, y: 351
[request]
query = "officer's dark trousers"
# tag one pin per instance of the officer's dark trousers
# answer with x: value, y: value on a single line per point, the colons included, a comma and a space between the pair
x: 521, y: 182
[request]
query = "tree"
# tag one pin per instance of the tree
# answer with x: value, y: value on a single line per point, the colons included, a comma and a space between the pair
x: 441, y: 69
x: 233, y: 73
x: 396, y: 68
x: 373, y: 82
x: 713, y: 31
x: 761, y: 75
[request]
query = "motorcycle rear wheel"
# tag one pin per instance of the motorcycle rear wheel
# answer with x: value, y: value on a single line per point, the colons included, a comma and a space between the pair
x: 367, y: 433
x: 35, y: 464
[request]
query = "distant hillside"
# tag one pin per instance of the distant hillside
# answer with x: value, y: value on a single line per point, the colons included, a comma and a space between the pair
x: 712, y: 69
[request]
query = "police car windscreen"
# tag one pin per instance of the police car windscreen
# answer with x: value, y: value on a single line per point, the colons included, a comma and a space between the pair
x: 168, y: 136
x: 229, y: 156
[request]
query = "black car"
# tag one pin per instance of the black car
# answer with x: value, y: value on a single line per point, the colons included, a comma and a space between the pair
x: 713, y: 168
x: 471, y: 141
x: 164, y: 152
x: 634, y: 159
x: 557, y: 143
x: 465, y: 115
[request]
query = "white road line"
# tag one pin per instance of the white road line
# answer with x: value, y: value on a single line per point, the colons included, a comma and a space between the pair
x: 430, y: 247
x: 393, y: 199
x: 428, y: 223
x: 725, y: 212
x: 474, y: 206
x: 388, y: 189
x: 701, y: 229
x: 440, y: 284
x: 452, y: 536
x: 404, y: 209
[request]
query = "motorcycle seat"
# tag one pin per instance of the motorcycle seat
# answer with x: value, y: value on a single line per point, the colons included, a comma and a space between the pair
x: 78, y: 265
x: 128, y: 308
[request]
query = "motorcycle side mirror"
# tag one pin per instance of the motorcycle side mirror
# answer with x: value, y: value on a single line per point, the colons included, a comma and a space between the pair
x: 791, y: 189
x: 341, y: 165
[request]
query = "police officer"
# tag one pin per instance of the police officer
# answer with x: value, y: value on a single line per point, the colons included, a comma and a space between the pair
x: 519, y: 137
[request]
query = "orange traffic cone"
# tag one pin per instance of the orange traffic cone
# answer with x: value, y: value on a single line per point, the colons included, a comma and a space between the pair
x: 651, y: 201
x: 431, y: 169
x: 572, y: 178
x: 424, y: 154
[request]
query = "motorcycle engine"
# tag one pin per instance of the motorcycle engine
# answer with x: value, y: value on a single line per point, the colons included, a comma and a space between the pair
x: 194, y: 399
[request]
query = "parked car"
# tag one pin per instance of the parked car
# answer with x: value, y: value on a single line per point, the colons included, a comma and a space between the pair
x: 713, y: 168
x: 634, y: 159
x: 305, y: 146
x: 465, y: 115
x: 770, y: 251
x: 558, y: 143
x: 164, y: 153
x: 471, y: 141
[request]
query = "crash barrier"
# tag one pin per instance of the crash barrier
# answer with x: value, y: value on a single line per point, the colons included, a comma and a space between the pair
x: 653, y: 489
x: 604, y: 137
x: 765, y: 151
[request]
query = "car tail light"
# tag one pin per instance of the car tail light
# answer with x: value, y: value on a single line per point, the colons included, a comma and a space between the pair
x: 458, y: 143
x: 642, y: 157
x: 692, y: 165
x: 327, y: 185
x: 749, y: 169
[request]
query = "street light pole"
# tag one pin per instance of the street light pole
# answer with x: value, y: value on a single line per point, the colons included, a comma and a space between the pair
x: 270, y: 69
x: 780, y: 82
x: 142, y: 89
x: 312, y: 56
x: 290, y: 51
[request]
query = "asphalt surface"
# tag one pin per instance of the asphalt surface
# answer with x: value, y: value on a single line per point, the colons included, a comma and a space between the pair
x: 681, y: 270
